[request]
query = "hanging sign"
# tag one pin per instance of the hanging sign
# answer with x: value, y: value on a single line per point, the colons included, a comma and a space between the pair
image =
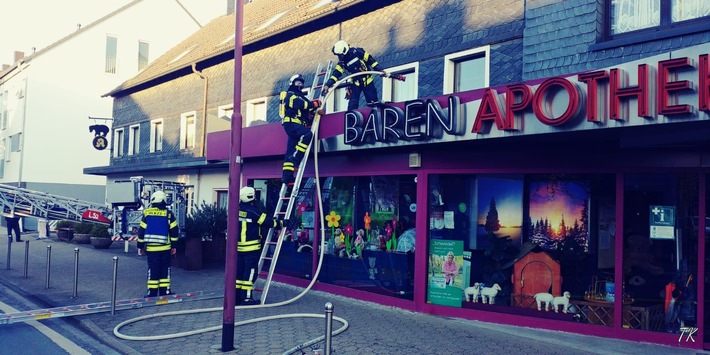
x: 662, y: 222
x: 100, y: 141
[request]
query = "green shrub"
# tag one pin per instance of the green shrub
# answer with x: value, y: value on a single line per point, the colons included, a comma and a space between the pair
x: 100, y: 231
x: 65, y: 224
x: 206, y: 222
x: 83, y: 227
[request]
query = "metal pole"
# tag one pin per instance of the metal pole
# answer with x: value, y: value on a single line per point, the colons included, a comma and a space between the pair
x: 49, y: 263
x: 125, y: 246
x: 9, y: 251
x: 113, y: 290
x: 328, y: 327
x: 27, y: 255
x: 76, y: 272
x: 235, y: 172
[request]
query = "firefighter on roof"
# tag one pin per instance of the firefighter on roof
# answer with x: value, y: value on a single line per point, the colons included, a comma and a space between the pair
x: 295, y: 110
x: 157, y: 232
x: 354, y: 60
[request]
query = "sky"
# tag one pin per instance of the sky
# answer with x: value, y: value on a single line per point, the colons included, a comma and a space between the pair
x: 38, y: 23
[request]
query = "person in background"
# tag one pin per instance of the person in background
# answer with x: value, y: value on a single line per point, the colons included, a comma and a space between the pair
x: 157, y: 233
x: 13, y: 224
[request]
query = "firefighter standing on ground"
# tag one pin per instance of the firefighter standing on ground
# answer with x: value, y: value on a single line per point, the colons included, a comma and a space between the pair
x: 254, y: 225
x: 354, y: 60
x: 157, y: 232
x: 296, y: 109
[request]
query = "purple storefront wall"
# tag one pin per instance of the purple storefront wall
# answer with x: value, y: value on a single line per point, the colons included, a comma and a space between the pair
x: 263, y: 160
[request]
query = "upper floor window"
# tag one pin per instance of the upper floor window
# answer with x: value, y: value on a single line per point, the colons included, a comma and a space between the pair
x: 225, y: 112
x: 467, y: 70
x: 399, y: 91
x: 187, y: 131
x: 118, y: 142
x: 143, y: 52
x: 3, y: 110
x: 111, y: 54
x: 16, y: 142
x: 156, y: 135
x: 134, y: 140
x: 337, y: 101
x: 256, y: 111
x: 635, y: 15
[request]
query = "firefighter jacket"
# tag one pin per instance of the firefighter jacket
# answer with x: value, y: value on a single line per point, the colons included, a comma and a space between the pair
x: 158, y: 229
x: 354, y: 61
x: 254, y: 225
x: 296, y: 108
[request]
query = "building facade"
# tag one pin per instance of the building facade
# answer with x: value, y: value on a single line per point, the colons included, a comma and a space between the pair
x: 540, y: 155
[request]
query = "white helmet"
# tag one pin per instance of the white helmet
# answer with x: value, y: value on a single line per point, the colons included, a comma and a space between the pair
x: 340, y: 47
x: 295, y: 78
x: 246, y: 194
x: 158, y: 197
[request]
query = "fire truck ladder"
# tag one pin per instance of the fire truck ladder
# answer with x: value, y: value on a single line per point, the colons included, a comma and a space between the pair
x: 24, y: 202
x: 289, y: 195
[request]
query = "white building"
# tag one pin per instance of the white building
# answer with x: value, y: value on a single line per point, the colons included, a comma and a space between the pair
x: 47, y: 98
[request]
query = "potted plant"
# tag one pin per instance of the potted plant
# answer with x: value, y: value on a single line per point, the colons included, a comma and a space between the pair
x: 82, y: 232
x: 212, y: 223
x: 100, y: 236
x: 189, y: 253
x: 65, y: 230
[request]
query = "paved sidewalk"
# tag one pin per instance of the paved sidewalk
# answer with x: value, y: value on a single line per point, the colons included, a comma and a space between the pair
x: 373, y: 329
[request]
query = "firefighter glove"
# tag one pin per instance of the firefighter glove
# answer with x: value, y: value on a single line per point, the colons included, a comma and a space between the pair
x: 384, y: 74
x: 325, y: 89
x: 317, y: 103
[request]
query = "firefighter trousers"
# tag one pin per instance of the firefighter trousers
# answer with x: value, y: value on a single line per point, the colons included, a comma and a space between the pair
x: 247, y: 264
x: 158, y: 273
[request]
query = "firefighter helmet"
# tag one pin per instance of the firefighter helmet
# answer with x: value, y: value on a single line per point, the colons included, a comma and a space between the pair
x: 340, y: 47
x: 296, y: 77
x: 158, y: 197
x: 246, y: 194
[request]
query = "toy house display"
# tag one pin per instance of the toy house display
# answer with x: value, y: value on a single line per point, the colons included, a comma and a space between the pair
x: 532, y: 274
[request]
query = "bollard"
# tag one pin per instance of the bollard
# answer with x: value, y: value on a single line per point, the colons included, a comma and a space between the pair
x: 9, y: 251
x: 49, y: 263
x: 328, y: 327
x: 76, y: 272
x: 113, y: 290
x: 27, y: 255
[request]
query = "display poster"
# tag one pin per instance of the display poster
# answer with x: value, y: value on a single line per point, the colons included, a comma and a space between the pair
x: 446, y: 272
x: 499, y: 212
x: 559, y: 214
x: 662, y: 222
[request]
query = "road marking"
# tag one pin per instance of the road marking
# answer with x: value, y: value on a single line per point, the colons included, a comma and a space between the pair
x: 55, y: 337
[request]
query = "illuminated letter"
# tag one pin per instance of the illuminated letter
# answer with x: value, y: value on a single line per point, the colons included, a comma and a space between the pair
x: 413, y: 118
x: 511, y: 107
x: 391, y: 124
x: 704, y: 83
x: 353, y: 128
x: 489, y: 110
x: 616, y: 92
x: 665, y: 87
x: 542, y: 96
x: 593, y: 103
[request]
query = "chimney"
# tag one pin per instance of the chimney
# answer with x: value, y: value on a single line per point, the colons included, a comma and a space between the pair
x: 19, y: 56
x: 231, y: 6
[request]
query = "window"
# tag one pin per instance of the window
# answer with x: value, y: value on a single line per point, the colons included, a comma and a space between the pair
x: 187, y: 130
x: 225, y: 112
x: 337, y: 101
x: 399, y: 91
x: 3, y: 110
x: 16, y: 142
x: 156, y: 135
x: 5, y: 151
x: 256, y: 111
x: 143, y: 52
x: 111, y: 54
x: 635, y: 15
x: 134, y: 140
x: 118, y: 143
x: 467, y: 70
x: 222, y: 198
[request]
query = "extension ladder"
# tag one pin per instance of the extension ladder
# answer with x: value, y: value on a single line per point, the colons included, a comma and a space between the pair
x: 288, y: 196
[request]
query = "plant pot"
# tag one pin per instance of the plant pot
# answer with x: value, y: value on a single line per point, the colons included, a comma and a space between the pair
x: 80, y: 238
x: 101, y: 243
x: 65, y: 234
x: 193, y: 254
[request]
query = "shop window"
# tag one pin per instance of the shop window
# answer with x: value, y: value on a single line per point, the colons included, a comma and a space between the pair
x: 400, y: 91
x: 511, y: 242
x: 467, y: 70
x: 706, y: 227
x: 639, y: 16
x: 660, y: 251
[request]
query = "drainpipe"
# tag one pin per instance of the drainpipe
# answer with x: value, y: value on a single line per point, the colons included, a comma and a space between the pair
x: 204, y: 108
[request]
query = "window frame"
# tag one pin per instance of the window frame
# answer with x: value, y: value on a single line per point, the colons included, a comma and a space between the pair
x: 118, y: 144
x: 187, y: 142
x: 155, y: 145
x: 134, y: 140
x: 111, y: 68
x: 250, y: 105
x: 330, y: 102
x: 225, y: 112
x: 387, y: 83
x: 143, y: 64
x: 450, y: 61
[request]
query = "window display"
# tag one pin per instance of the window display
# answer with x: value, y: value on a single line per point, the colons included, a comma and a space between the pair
x: 536, y: 243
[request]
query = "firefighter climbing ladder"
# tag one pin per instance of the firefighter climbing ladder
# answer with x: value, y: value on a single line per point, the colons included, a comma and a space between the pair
x: 24, y: 202
x: 271, y: 249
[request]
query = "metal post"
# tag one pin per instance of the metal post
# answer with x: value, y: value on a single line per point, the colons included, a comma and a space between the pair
x: 113, y: 290
x: 27, y: 255
x: 328, y: 327
x: 76, y: 272
x: 9, y: 251
x: 49, y: 263
x: 125, y: 246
